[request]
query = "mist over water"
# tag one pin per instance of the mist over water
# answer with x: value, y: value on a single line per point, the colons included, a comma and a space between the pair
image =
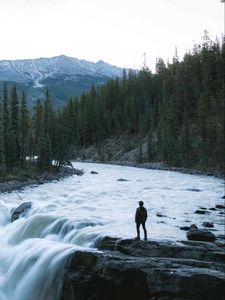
x: 73, y: 213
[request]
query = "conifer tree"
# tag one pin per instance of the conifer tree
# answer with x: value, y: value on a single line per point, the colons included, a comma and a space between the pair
x: 23, y: 128
x: 14, y: 149
x: 2, y: 150
x: 45, y: 142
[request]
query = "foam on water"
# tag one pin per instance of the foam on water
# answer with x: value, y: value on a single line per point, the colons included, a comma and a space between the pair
x: 73, y: 213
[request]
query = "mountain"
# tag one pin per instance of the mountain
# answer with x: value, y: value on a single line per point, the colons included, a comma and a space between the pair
x: 63, y: 76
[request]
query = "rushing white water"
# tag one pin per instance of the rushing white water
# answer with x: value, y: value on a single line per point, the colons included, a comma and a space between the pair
x: 73, y: 213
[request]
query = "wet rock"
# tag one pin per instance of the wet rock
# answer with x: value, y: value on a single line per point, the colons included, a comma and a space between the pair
x: 200, y: 212
x: 223, y: 197
x: 208, y: 224
x: 188, y: 227
x: 161, y: 222
x: 160, y: 215
x: 184, y: 228
x: 85, y: 259
x: 106, y: 243
x: 193, y: 190
x: 93, y: 172
x: 146, y: 270
x: 186, y: 249
x: 221, y: 236
x: 220, y: 206
x: 212, y: 208
x: 194, y: 226
x: 200, y: 235
x: 122, y: 179
x: 21, y: 209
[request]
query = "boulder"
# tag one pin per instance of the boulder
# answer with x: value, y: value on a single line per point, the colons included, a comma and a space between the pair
x: 93, y: 172
x: 200, y: 212
x: 208, y: 224
x: 21, y: 209
x: 185, y: 228
x: 200, y: 235
x: 220, y: 206
x: 193, y: 226
x: 160, y: 215
x: 122, y: 179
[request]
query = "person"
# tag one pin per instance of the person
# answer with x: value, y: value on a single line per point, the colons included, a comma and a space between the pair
x: 140, y: 219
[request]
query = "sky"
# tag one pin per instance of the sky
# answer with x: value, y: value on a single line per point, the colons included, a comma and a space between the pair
x: 116, y: 31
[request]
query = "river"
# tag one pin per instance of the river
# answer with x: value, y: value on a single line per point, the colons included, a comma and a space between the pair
x: 73, y: 213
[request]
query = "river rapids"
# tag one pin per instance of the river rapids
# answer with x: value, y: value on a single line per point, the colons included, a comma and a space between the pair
x: 73, y: 213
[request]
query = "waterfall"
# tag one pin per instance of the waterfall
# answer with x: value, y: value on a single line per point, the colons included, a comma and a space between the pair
x: 71, y: 214
x: 34, y: 252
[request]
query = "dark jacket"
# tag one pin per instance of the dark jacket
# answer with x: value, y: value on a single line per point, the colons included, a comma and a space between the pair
x: 141, y: 214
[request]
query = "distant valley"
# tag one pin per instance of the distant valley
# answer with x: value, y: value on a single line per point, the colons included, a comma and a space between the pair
x: 63, y: 76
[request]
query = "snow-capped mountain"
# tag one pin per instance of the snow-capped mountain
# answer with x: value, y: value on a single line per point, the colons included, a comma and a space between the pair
x: 64, y: 76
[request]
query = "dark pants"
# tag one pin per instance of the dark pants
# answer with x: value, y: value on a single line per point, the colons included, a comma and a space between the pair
x: 138, y: 224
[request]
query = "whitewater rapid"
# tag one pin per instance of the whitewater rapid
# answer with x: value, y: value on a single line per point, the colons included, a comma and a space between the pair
x: 73, y: 213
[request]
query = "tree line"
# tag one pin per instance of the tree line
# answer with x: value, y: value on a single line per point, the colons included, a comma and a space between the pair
x: 178, y: 110
x: 29, y: 138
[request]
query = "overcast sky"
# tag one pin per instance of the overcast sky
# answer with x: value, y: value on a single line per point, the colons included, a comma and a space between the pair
x: 116, y: 31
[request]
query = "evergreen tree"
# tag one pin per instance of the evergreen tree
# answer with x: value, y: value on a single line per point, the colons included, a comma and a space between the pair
x: 5, y: 124
x: 23, y: 128
x: 2, y: 150
x: 14, y: 149
x: 45, y: 140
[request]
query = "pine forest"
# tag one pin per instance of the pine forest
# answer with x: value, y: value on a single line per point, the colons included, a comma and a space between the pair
x: 178, y: 110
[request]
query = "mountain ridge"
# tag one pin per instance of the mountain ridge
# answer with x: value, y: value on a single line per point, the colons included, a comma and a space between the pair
x: 63, y: 75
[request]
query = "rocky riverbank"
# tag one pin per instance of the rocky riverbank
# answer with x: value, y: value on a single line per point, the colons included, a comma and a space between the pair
x: 152, y: 270
x: 159, y: 166
x: 125, y: 150
x: 16, y: 184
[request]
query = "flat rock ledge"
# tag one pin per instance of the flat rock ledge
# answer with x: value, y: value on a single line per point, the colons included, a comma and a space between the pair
x: 127, y: 269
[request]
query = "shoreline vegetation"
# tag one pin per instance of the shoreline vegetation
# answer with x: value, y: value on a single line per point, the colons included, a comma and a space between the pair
x: 17, y: 182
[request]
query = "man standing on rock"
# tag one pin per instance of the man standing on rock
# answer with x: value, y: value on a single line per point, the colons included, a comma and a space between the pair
x: 140, y: 219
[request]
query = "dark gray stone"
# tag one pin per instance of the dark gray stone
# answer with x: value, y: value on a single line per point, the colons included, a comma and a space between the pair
x: 160, y: 215
x: 220, y: 206
x: 200, y: 235
x: 93, y: 172
x: 193, y: 226
x: 185, y: 228
x: 193, y: 190
x: 138, y: 270
x: 208, y: 224
x: 200, y: 212
x: 122, y: 179
x: 21, y: 209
